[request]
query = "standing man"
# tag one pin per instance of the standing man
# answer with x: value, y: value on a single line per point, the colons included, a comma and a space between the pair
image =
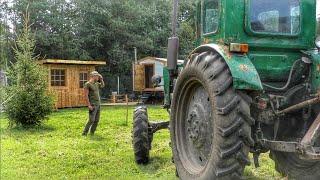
x: 92, y: 96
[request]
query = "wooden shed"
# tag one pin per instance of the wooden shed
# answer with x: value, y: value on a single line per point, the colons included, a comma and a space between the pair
x: 66, y: 79
x: 144, y: 69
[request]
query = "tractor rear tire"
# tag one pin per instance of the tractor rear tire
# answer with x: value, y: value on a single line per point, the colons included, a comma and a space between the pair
x: 210, y: 121
x: 141, y: 137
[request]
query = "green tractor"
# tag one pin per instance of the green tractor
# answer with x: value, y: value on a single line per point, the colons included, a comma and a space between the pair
x: 251, y: 85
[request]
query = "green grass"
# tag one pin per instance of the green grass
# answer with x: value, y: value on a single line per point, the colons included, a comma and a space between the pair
x: 57, y: 150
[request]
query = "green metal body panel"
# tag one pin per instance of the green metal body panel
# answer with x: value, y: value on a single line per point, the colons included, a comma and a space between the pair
x: 315, y: 70
x: 272, y: 55
x: 166, y: 79
x: 245, y: 75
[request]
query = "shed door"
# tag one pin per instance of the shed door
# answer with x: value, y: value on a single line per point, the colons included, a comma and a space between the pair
x: 139, y: 77
x: 149, y: 72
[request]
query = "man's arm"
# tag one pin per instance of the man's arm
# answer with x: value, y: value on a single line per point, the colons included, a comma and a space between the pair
x: 86, y: 93
x: 101, y: 82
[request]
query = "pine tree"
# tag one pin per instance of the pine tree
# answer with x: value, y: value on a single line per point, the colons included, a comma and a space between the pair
x: 30, y: 104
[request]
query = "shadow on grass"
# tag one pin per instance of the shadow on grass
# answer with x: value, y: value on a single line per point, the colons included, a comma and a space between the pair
x: 18, y: 130
x: 155, y: 164
x: 96, y: 137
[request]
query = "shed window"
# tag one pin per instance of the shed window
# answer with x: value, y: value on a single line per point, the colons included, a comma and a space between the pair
x: 83, y: 79
x: 58, y: 77
x: 210, y: 16
x: 274, y: 16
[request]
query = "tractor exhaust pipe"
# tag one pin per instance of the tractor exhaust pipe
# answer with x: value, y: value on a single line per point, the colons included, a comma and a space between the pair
x: 172, y: 54
x: 173, y: 41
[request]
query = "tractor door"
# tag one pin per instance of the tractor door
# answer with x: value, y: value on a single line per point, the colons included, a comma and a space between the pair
x: 139, y: 77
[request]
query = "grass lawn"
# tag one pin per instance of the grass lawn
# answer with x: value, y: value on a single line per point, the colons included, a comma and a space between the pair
x: 57, y: 150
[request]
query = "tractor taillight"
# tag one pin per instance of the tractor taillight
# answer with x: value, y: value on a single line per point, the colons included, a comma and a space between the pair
x: 240, y: 48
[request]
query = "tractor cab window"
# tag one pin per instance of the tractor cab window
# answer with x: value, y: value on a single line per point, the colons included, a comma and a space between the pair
x: 210, y: 16
x: 275, y: 16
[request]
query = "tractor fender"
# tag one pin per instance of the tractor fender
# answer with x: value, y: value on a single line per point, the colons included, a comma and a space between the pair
x: 245, y: 75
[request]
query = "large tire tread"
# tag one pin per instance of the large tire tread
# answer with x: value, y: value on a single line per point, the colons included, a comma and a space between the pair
x: 141, y: 138
x: 232, y: 115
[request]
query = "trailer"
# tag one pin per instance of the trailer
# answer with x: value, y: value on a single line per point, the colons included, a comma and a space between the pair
x: 142, y: 72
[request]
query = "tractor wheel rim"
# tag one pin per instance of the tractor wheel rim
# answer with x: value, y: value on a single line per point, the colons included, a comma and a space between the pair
x: 195, y: 126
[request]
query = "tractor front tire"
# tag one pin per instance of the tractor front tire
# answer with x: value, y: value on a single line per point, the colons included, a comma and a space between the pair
x: 141, y: 137
x: 210, y: 121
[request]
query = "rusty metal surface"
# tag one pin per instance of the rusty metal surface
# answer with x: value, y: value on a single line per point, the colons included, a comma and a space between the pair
x: 156, y: 126
x: 305, y: 149
x: 310, y: 156
x: 300, y: 105
x: 282, y: 146
x: 304, y: 152
x: 313, y: 133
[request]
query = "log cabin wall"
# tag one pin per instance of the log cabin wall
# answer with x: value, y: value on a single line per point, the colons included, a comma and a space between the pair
x: 69, y: 93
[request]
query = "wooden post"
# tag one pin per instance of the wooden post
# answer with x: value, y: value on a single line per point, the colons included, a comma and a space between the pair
x: 127, y: 109
x: 118, y: 85
x: 114, y: 98
x: 127, y: 99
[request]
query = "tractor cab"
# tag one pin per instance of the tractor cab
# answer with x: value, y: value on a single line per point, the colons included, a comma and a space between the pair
x: 270, y: 34
x: 284, y: 24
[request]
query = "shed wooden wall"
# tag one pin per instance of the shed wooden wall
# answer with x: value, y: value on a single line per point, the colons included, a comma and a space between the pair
x: 70, y: 95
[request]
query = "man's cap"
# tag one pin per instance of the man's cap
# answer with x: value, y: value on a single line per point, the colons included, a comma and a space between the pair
x: 94, y: 73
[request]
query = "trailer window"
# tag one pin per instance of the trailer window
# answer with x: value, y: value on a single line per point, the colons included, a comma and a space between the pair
x: 210, y: 16
x: 58, y: 77
x: 275, y: 16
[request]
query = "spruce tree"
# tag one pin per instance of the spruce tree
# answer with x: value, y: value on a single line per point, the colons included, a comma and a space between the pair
x: 30, y: 103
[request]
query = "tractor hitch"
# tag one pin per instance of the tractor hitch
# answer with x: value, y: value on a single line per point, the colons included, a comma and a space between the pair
x: 305, y: 148
x: 156, y: 126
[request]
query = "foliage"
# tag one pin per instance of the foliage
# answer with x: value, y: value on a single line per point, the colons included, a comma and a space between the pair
x: 57, y: 150
x: 2, y: 66
x: 29, y: 104
x: 5, y: 35
x: 105, y: 30
x: 318, y: 26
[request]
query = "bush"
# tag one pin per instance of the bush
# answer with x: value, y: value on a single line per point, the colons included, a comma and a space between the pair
x: 30, y: 104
